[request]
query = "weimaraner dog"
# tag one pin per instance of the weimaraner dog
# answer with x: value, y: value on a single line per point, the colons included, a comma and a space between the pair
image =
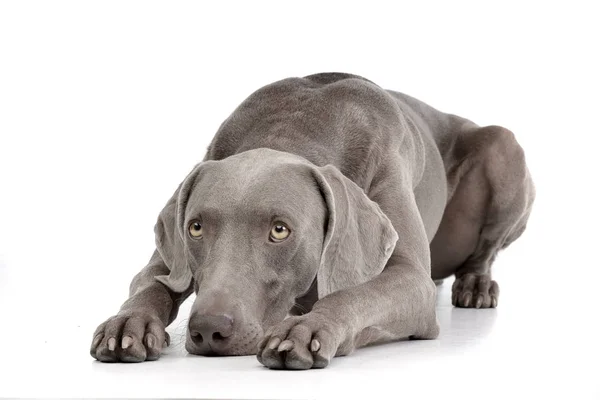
x: 335, y: 201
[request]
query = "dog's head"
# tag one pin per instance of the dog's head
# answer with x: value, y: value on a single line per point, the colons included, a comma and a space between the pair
x: 254, y: 232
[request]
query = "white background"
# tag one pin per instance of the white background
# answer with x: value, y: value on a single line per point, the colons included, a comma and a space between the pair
x: 105, y: 106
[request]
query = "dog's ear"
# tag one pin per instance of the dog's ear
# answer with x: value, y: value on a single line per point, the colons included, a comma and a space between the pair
x: 359, y: 238
x: 169, y: 235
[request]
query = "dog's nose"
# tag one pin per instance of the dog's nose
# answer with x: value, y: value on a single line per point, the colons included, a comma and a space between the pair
x: 210, y: 329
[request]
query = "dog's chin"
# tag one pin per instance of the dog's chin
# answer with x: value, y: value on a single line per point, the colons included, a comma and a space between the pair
x: 209, y: 352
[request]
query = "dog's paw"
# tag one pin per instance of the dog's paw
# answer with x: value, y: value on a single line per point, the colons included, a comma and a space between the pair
x: 475, y: 291
x: 303, y: 342
x: 129, y: 337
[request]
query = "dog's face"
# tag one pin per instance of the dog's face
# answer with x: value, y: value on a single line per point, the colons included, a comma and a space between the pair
x: 253, y: 232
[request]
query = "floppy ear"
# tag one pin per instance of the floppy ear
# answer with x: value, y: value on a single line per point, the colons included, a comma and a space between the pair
x: 169, y: 236
x: 359, y: 239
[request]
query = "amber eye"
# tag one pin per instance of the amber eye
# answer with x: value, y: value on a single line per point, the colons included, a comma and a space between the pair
x: 279, y: 232
x: 196, y: 229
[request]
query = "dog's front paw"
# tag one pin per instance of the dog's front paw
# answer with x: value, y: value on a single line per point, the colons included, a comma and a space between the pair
x: 304, y: 342
x: 129, y: 337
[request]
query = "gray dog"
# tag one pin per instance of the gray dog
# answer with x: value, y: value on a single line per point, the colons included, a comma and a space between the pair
x: 336, y: 201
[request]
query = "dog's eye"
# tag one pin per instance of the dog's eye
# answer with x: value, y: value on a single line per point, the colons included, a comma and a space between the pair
x: 279, y: 232
x: 196, y: 229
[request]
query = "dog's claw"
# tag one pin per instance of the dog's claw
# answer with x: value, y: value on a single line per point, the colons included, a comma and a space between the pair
x: 286, y: 345
x: 273, y: 343
x: 494, y: 302
x: 112, y: 343
x: 315, y: 345
x: 126, y: 342
x: 479, y: 301
x: 150, y: 340
x: 455, y: 299
x: 467, y: 299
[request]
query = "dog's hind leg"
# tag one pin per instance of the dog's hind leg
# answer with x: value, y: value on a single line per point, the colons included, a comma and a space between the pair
x: 493, y: 201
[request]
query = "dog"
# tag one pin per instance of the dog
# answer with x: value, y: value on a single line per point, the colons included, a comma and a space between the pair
x: 318, y: 222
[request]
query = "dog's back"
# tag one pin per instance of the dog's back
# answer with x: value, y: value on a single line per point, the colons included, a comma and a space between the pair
x: 328, y: 118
